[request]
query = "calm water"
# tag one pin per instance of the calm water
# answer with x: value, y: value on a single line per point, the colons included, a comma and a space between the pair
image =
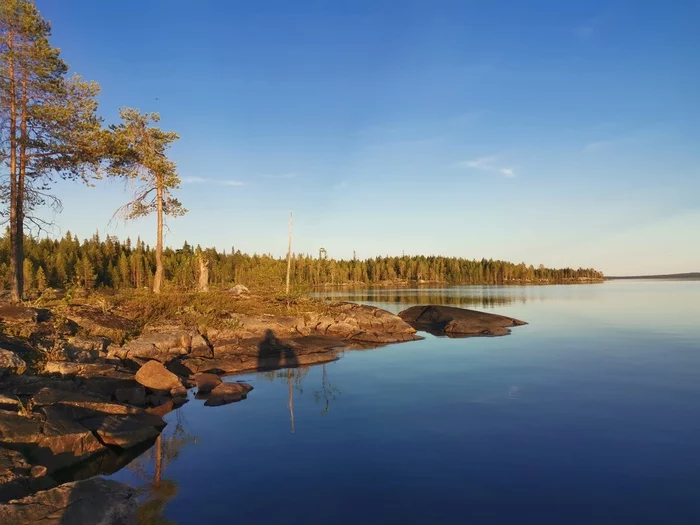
x: 590, y: 414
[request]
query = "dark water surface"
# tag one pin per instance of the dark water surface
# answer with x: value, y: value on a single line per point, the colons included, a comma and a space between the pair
x: 588, y: 415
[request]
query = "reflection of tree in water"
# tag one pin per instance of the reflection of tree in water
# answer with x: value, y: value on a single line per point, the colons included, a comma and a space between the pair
x: 295, y: 381
x: 157, y: 490
x: 485, y: 298
x: 327, y: 393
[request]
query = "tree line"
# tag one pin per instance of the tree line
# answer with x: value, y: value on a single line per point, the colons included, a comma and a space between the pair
x: 50, y: 130
x: 109, y: 263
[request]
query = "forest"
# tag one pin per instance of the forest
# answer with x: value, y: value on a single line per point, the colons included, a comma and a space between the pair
x: 108, y: 263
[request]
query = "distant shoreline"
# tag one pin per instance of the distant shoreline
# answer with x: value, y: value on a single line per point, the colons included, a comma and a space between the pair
x: 691, y: 276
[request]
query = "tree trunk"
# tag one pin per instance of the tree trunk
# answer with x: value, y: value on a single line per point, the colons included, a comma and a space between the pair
x: 158, y: 278
x: 203, y: 273
x: 15, y: 234
x: 289, y: 252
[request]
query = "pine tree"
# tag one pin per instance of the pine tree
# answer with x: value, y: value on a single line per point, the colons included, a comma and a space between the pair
x: 86, y: 273
x: 40, y: 279
x: 52, y: 126
x: 139, y: 155
x: 28, y: 271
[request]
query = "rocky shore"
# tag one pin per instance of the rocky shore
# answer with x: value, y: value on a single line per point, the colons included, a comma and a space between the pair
x: 84, y: 390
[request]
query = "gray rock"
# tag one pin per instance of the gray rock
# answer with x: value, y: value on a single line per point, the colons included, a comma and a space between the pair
x: 239, y: 289
x: 10, y: 363
x: 69, y: 369
x: 93, y: 501
x: 449, y: 320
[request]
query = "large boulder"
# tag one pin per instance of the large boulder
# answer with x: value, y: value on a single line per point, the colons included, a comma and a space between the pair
x: 155, y: 376
x: 94, y: 501
x: 449, y: 320
x: 10, y: 363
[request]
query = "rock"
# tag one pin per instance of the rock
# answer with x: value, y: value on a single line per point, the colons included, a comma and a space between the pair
x: 155, y: 376
x: 120, y: 431
x: 160, y: 398
x: 206, y: 382
x: 51, y: 396
x: 85, y: 349
x: 10, y: 313
x: 9, y: 403
x: 239, y: 289
x: 179, y: 391
x: 133, y: 395
x: 18, y: 430
x: 63, y: 442
x: 18, y: 478
x: 226, y: 393
x: 69, y: 370
x: 98, y: 323
x: 10, y: 363
x: 162, y: 346
x: 201, y: 347
x: 449, y: 320
x: 95, y: 501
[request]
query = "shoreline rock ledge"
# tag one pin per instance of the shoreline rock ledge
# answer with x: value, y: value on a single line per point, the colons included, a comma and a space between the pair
x: 458, y: 322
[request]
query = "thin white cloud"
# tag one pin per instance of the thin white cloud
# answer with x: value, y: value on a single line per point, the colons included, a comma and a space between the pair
x: 490, y: 164
x: 193, y: 180
x: 289, y: 175
x: 341, y: 185
x: 589, y: 29
x: 205, y: 180
x: 598, y: 145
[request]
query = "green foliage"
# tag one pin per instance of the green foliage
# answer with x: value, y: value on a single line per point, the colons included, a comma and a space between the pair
x: 138, y: 153
x: 110, y: 263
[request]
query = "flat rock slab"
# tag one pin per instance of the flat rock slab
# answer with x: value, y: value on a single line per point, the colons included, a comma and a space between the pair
x: 121, y: 431
x: 63, y: 442
x: 90, y: 502
x: 51, y: 396
x: 206, y: 382
x: 452, y: 321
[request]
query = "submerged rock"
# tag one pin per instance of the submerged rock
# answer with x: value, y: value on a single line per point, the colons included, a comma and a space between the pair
x: 94, y: 501
x: 449, y: 320
x: 227, y: 393
x: 206, y: 382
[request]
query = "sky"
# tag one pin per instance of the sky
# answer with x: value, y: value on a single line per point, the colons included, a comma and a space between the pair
x: 544, y: 132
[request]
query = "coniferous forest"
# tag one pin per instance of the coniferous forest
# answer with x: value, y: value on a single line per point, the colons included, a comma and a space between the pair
x: 108, y: 263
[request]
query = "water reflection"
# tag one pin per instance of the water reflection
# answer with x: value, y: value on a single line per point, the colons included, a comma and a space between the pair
x: 479, y: 297
x: 150, y: 469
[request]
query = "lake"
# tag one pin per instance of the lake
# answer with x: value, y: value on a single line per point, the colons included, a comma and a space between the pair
x: 589, y: 414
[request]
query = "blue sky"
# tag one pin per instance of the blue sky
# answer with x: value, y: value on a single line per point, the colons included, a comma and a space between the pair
x: 561, y: 133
